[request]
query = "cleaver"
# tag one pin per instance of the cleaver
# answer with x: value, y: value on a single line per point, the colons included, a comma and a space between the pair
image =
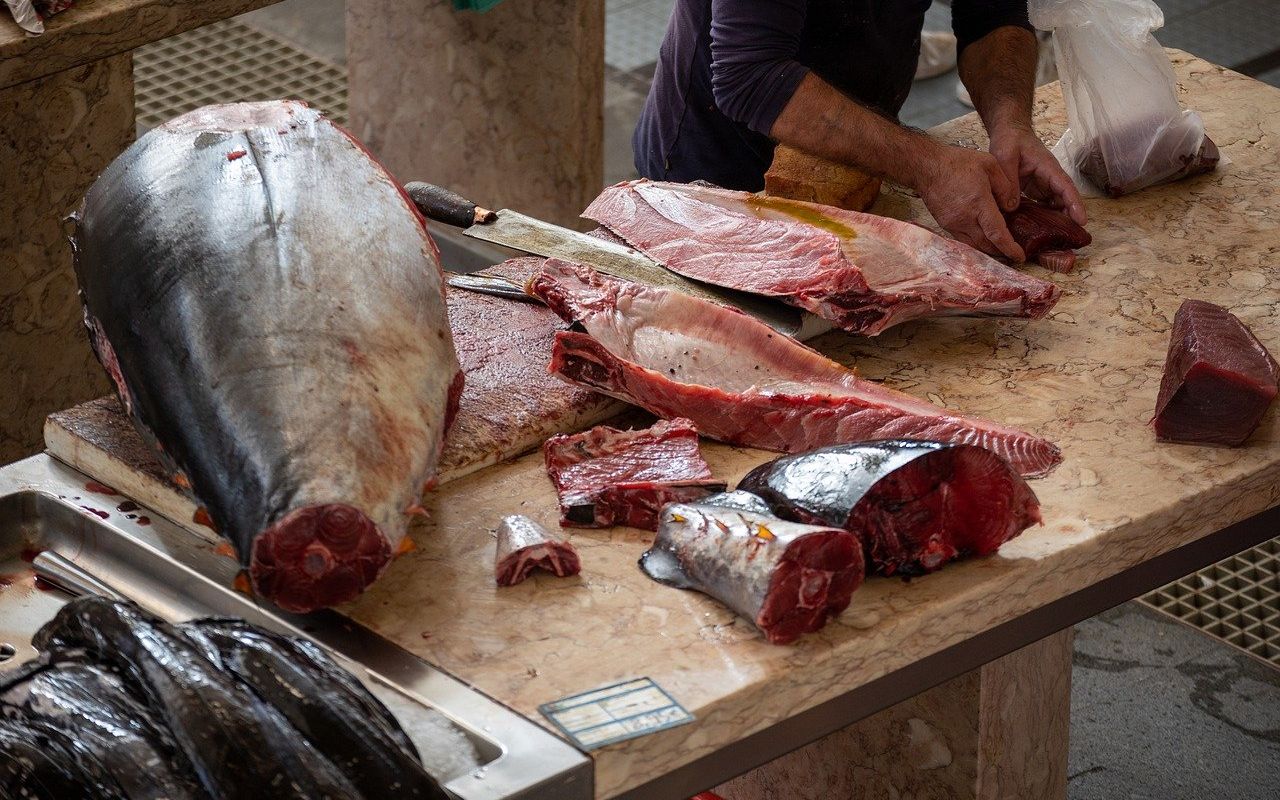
x: 531, y: 235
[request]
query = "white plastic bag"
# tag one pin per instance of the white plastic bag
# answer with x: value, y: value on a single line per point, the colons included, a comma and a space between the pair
x: 24, y: 13
x: 1126, y: 130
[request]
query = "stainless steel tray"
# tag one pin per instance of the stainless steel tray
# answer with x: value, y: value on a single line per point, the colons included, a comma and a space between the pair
x: 45, y: 505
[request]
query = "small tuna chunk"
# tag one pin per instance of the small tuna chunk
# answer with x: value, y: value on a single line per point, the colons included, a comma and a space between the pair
x: 1047, y: 236
x: 787, y: 578
x: 1218, y: 379
x: 607, y: 476
x: 524, y: 545
x: 916, y: 505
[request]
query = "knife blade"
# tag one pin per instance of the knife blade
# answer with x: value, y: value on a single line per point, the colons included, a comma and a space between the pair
x: 538, y: 237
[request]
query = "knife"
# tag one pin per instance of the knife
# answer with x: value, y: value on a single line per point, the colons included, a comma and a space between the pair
x: 537, y: 237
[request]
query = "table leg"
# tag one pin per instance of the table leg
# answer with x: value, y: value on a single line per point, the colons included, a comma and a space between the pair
x: 996, y: 733
x: 56, y: 134
x: 505, y: 107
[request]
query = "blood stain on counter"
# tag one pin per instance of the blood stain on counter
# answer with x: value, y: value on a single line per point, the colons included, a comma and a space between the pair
x: 127, y: 505
x: 99, y: 488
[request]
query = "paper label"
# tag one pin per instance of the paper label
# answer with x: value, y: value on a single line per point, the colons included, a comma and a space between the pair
x: 615, y: 713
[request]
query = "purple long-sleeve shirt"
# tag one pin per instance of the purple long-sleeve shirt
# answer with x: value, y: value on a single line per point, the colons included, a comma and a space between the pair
x: 728, y: 67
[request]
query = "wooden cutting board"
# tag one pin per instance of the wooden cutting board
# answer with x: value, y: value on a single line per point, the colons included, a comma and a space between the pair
x: 510, y: 404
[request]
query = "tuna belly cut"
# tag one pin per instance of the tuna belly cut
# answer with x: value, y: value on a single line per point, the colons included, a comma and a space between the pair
x: 1218, y: 380
x: 269, y: 304
x: 607, y: 476
x: 863, y: 272
x: 787, y: 578
x: 738, y: 380
x: 916, y: 505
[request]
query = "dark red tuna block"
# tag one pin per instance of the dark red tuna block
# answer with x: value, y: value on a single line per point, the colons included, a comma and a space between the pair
x: 1218, y: 379
x: 606, y: 476
x: 1047, y: 236
x: 916, y: 505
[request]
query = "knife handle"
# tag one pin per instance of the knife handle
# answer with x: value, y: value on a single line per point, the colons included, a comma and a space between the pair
x: 443, y: 205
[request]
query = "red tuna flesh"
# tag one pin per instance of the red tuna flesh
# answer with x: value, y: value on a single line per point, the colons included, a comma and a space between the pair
x: 1046, y: 235
x: 524, y: 545
x: 916, y: 505
x: 1218, y: 379
x: 738, y: 380
x: 788, y: 578
x: 502, y: 346
x: 275, y: 325
x: 863, y: 272
x: 607, y: 476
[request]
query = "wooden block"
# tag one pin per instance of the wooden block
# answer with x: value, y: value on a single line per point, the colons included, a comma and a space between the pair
x: 798, y: 175
x: 995, y: 733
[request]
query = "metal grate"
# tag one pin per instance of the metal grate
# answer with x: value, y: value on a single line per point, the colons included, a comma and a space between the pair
x: 228, y: 62
x: 1236, y: 600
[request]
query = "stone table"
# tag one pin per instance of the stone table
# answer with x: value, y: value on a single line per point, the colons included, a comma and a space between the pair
x: 954, y: 684
x: 66, y: 110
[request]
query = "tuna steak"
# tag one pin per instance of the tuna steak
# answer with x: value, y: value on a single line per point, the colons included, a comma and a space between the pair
x: 524, y: 545
x: 1218, y: 379
x: 738, y: 380
x: 785, y: 577
x: 916, y: 505
x: 1047, y: 236
x: 606, y: 476
x: 268, y: 303
x: 863, y: 272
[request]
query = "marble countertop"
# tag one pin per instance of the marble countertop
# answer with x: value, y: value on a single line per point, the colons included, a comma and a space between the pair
x: 94, y: 29
x: 1086, y: 377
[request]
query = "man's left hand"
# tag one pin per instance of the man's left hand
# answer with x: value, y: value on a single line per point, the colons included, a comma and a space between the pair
x: 1028, y: 163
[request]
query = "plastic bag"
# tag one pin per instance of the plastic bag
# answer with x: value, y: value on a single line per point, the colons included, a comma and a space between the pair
x: 24, y: 13
x: 1126, y: 130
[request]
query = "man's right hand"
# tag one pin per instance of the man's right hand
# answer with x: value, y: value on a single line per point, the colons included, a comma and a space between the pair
x: 965, y: 191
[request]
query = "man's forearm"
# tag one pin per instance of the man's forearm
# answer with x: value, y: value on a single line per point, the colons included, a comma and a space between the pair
x: 999, y: 72
x: 819, y: 119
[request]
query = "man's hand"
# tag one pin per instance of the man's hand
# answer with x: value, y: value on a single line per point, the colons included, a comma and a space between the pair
x: 965, y: 191
x: 1027, y: 162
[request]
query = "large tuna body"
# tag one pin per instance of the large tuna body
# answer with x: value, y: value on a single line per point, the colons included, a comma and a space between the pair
x: 269, y: 305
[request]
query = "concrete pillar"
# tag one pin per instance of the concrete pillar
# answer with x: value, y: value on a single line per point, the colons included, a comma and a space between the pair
x: 56, y: 134
x: 996, y: 733
x: 505, y: 107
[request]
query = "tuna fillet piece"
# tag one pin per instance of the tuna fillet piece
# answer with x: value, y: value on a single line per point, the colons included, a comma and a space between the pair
x: 787, y: 578
x: 1218, y: 379
x: 269, y: 306
x: 738, y: 380
x: 607, y: 477
x: 1047, y: 236
x: 915, y: 505
x: 524, y: 545
x: 863, y: 272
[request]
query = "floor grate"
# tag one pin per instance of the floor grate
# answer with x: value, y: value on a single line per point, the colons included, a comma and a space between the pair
x: 228, y: 62
x: 1236, y: 600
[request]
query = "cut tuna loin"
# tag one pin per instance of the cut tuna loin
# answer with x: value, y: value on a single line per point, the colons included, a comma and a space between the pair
x: 606, y: 477
x: 737, y: 379
x: 268, y: 303
x: 862, y: 272
x: 916, y: 505
x: 1046, y: 235
x: 524, y: 545
x: 787, y: 578
x: 1218, y: 379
